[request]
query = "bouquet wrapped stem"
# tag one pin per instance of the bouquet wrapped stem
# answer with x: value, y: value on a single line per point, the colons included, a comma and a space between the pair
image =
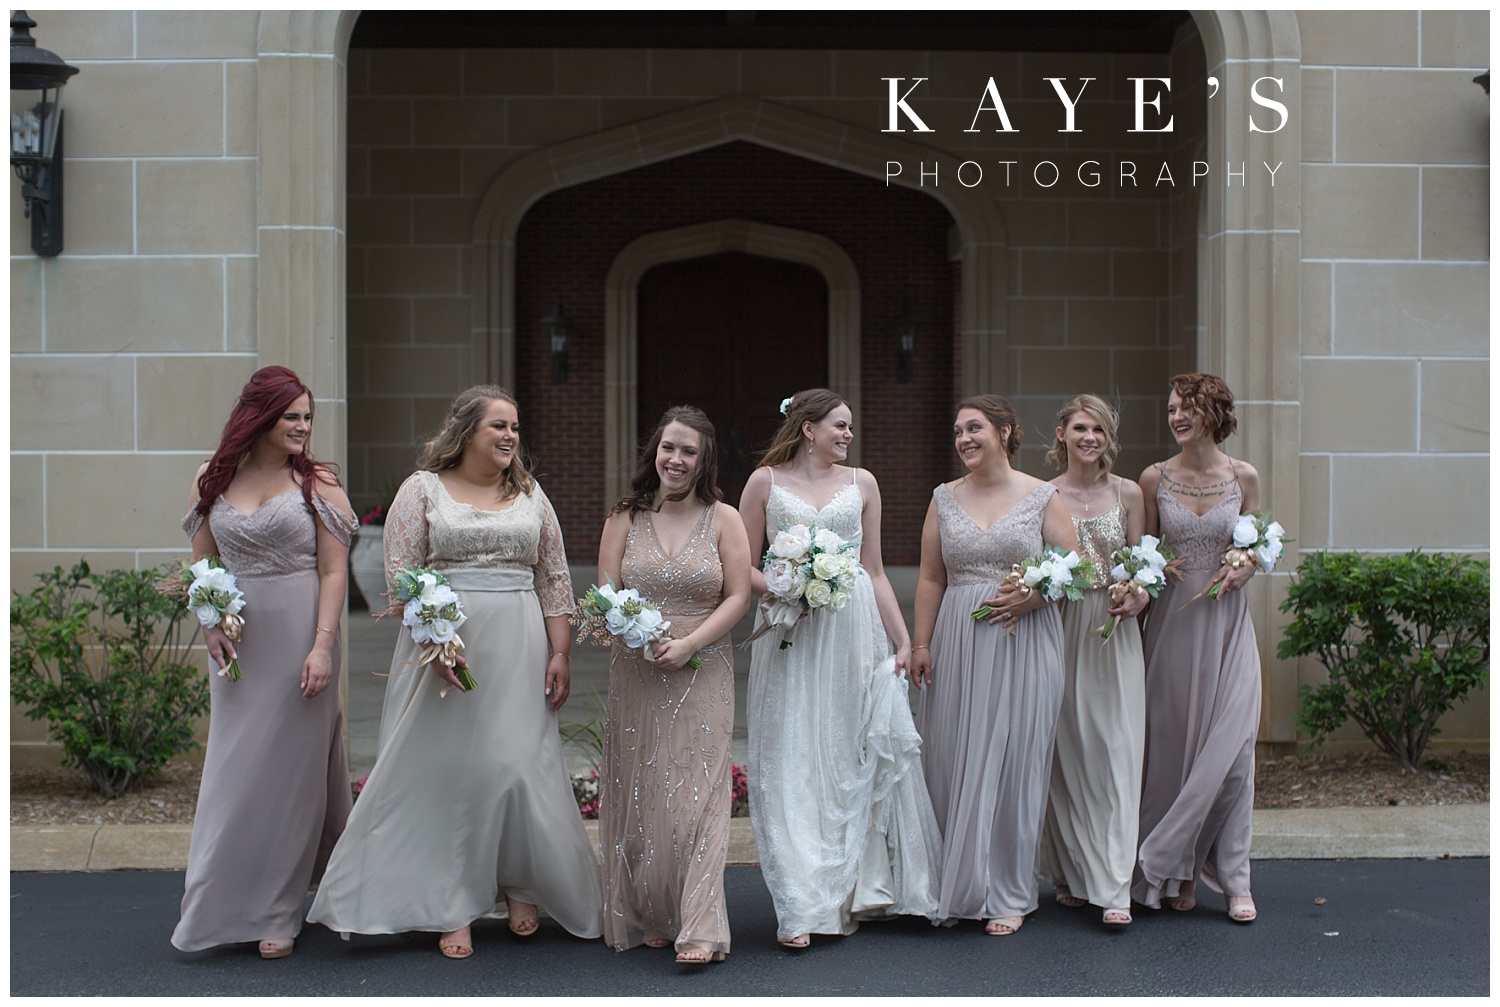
x: 607, y: 612
x: 1056, y: 574
x: 1257, y: 542
x: 1140, y: 570
x: 213, y: 596
x: 433, y: 613
x: 806, y: 568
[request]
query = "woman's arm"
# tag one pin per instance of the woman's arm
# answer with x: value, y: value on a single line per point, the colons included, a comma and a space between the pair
x: 753, y: 500
x: 333, y: 576
x: 729, y: 532
x: 1150, y: 479
x: 1010, y: 603
x: 554, y: 589
x: 612, y: 547
x: 220, y: 649
x: 932, y: 581
x: 1135, y: 526
x: 869, y: 558
x: 1235, y: 580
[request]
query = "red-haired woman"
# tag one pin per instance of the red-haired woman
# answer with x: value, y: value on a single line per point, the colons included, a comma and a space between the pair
x: 275, y: 790
x: 1202, y: 667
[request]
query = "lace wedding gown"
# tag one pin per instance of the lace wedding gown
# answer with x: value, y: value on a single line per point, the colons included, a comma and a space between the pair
x: 275, y: 788
x: 664, y: 821
x: 469, y: 799
x: 841, y: 817
x: 988, y: 717
x: 1202, y: 711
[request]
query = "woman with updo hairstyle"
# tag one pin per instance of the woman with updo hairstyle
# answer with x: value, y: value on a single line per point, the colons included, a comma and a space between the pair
x: 1088, y: 840
x: 841, y: 817
x: 1202, y: 666
x: 991, y: 687
x: 469, y: 811
x: 275, y: 790
x: 667, y: 789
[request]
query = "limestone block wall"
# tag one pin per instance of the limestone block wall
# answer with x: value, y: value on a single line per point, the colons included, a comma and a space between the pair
x: 1395, y: 278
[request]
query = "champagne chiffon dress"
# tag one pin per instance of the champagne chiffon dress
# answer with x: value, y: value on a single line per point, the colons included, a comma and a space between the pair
x: 1202, y: 710
x: 667, y: 794
x: 1088, y: 841
x: 275, y: 790
x: 469, y: 799
x: 987, y: 718
x: 841, y: 816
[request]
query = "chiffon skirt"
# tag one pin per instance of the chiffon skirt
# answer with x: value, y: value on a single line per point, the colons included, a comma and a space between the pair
x: 841, y: 817
x: 1088, y: 841
x: 469, y: 799
x: 987, y: 722
x: 1202, y: 710
x: 275, y: 790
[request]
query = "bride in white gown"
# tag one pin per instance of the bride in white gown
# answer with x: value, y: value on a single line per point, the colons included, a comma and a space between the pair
x: 841, y: 815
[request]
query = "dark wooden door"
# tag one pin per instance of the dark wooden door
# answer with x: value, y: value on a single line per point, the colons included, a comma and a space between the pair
x: 732, y: 334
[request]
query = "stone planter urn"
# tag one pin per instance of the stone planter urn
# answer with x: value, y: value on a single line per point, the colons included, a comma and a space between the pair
x: 367, y: 565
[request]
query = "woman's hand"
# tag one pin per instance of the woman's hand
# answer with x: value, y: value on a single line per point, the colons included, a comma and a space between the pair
x: 1011, y: 603
x: 903, y: 660
x: 672, y: 655
x: 558, y: 682
x: 220, y: 648
x: 921, y: 667
x: 317, y: 672
x: 1234, y: 580
x: 446, y: 674
x: 1130, y: 606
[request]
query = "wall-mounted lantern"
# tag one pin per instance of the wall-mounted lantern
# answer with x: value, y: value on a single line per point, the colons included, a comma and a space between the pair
x: 559, y: 331
x: 36, y: 147
x: 908, y: 324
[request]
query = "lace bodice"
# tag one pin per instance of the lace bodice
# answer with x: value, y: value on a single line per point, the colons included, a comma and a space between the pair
x: 1099, y: 536
x: 427, y: 527
x: 842, y: 514
x: 278, y: 537
x: 689, y: 584
x: 1199, y: 541
x: 974, y: 555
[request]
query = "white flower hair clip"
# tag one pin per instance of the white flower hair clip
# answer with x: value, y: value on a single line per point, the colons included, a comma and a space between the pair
x: 786, y: 404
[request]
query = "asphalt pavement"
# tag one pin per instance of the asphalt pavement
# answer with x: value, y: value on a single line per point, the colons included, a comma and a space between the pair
x: 1382, y: 928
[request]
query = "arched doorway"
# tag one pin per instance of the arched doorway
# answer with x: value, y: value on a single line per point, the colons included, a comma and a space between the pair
x: 721, y: 332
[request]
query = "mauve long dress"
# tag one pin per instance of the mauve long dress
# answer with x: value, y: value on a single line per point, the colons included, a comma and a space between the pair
x: 1202, y: 710
x: 987, y: 720
x: 664, y: 820
x: 275, y: 789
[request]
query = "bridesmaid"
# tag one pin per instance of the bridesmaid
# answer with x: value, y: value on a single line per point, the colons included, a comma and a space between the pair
x: 1202, y: 666
x: 841, y: 817
x: 987, y: 719
x: 664, y: 819
x: 275, y: 789
x: 469, y: 811
x: 1088, y: 840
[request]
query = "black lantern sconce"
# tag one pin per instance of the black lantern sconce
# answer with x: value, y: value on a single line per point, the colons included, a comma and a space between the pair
x: 907, y: 325
x: 559, y: 331
x: 36, y: 147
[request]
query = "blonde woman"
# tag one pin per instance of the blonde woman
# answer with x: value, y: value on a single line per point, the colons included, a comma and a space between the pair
x: 1088, y: 840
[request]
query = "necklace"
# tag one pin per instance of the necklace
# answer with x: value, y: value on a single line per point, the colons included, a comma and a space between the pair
x: 1090, y: 491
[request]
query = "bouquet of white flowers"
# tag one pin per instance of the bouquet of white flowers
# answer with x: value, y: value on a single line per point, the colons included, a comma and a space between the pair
x: 605, y: 612
x: 1257, y: 539
x: 1056, y: 574
x: 211, y: 594
x: 1139, y: 569
x: 433, y: 613
x: 806, y: 568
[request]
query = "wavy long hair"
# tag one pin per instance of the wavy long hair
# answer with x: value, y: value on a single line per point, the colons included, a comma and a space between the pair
x: 464, y: 415
x: 646, y: 481
x: 807, y: 406
x: 1101, y: 411
x: 261, y: 404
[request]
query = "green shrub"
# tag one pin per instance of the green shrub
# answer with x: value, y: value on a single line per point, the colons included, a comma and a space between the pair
x: 103, y: 659
x: 1404, y: 638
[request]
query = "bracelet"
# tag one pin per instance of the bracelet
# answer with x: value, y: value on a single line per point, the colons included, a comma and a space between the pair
x: 330, y: 632
x: 920, y: 646
x: 564, y: 655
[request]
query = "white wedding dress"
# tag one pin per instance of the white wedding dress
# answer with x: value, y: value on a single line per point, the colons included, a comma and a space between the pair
x: 841, y: 815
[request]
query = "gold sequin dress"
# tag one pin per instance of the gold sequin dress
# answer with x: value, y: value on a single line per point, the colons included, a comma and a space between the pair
x: 664, y: 817
x: 1088, y: 840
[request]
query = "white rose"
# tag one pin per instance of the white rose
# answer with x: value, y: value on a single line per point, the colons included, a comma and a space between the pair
x: 1267, y: 555
x: 441, y: 630
x: 421, y: 633
x: 1062, y: 574
x: 649, y: 619
x: 848, y: 564
x: 828, y: 540
x: 827, y: 566
x: 1055, y: 591
x: 1147, y: 576
x: 200, y: 569
x: 207, y: 615
x: 607, y: 592
x: 817, y: 593
x: 426, y: 585
x: 1036, y: 574
x: 791, y: 543
x: 839, y: 600
x: 1245, y: 532
x: 1068, y: 560
x: 1275, y: 532
x: 1149, y: 543
x: 636, y: 636
x: 1119, y: 573
x: 616, y: 621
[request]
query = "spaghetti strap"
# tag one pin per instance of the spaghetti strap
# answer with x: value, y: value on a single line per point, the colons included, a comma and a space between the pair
x: 771, y: 471
x: 853, y: 476
x: 1119, y: 492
